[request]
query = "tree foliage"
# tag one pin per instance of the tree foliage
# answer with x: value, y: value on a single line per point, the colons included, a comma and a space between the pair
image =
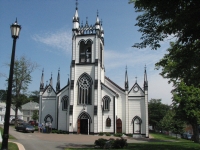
x: 172, y: 122
x: 21, y: 79
x: 159, y: 19
x: 186, y: 100
x: 34, y: 96
x: 180, y: 19
x: 157, y: 111
x: 35, y: 115
x: 181, y: 63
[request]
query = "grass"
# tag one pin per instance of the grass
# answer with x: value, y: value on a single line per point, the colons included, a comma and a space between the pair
x: 164, y: 146
x: 160, y: 142
x: 12, y: 146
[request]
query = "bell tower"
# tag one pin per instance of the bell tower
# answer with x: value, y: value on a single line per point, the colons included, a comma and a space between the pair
x: 86, y: 71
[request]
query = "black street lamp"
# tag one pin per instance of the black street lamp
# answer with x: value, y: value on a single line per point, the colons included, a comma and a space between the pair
x: 15, y: 30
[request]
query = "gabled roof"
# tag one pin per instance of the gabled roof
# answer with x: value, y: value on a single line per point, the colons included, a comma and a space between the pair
x: 30, y: 106
x: 110, y: 89
x: 113, y: 83
x: 62, y: 89
x: 136, y: 84
x: 47, y: 88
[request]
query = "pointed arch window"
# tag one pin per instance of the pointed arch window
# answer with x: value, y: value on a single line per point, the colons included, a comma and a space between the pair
x: 85, y: 52
x: 65, y: 101
x: 108, y: 122
x: 85, y: 89
x: 106, y: 103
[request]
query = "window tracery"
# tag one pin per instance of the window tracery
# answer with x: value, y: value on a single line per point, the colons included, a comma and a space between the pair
x: 64, y: 102
x: 84, y: 89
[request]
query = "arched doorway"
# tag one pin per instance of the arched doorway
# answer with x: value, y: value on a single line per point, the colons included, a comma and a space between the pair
x: 137, y: 125
x: 119, y: 126
x: 83, y: 123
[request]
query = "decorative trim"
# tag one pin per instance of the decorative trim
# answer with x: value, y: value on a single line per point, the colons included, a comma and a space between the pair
x: 136, y: 96
x: 95, y: 110
x: 96, y: 62
x: 71, y: 110
x: 73, y: 63
x: 85, y: 113
x: 48, y: 116
x: 85, y: 63
x: 48, y: 97
x: 72, y: 84
x: 95, y: 84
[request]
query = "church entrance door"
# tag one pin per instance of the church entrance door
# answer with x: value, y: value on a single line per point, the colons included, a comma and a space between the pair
x: 136, y: 126
x: 119, y: 126
x: 84, y: 126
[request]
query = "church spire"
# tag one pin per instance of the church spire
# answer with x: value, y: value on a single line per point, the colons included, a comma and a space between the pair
x: 51, y: 81
x: 58, y: 81
x: 76, y: 18
x: 126, y: 80
x: 42, y: 81
x: 145, y: 79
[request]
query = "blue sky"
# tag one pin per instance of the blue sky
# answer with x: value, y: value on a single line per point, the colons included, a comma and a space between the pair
x: 46, y: 36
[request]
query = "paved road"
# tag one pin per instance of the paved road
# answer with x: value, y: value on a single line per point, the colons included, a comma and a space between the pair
x: 41, y: 141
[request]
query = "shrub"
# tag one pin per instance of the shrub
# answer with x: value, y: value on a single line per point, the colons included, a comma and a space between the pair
x: 120, y: 143
x: 118, y: 134
x: 101, y: 134
x: 100, y: 142
x: 107, y: 134
x: 111, y: 143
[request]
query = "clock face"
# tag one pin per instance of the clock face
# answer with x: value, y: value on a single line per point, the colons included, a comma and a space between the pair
x: 135, y: 88
x: 49, y: 90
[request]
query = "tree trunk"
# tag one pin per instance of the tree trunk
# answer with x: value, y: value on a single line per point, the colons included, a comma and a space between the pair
x: 195, y: 133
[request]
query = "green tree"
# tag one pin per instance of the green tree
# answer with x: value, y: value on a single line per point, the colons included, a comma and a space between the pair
x: 186, y: 100
x: 159, y: 19
x: 21, y: 79
x: 172, y: 122
x: 157, y: 111
x: 3, y: 95
x: 35, y: 115
x: 34, y: 96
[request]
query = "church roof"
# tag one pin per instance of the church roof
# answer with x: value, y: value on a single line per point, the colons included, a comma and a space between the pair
x: 110, y: 89
x: 114, y: 84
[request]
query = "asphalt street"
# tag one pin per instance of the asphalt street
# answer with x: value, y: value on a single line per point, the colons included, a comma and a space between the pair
x: 42, y: 141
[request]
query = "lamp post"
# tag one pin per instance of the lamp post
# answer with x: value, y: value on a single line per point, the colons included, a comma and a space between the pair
x: 15, y: 30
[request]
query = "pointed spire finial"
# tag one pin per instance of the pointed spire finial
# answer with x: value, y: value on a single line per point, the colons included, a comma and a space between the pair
x: 76, y: 4
x: 136, y: 79
x: 86, y: 20
x: 97, y: 13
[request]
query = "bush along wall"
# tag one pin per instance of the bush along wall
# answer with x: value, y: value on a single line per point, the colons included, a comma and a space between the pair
x: 111, y: 143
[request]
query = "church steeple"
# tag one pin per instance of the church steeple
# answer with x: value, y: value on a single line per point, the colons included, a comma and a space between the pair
x: 145, y: 79
x: 58, y: 82
x: 51, y: 81
x: 76, y: 19
x: 126, y: 80
x: 42, y: 81
x: 97, y: 24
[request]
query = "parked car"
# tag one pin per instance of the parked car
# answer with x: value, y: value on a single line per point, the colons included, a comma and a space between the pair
x: 186, y: 136
x: 25, y: 127
x: 33, y: 123
x: 18, y: 121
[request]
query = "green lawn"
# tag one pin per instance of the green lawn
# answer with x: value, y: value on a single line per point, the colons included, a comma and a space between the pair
x: 11, y: 146
x: 159, y: 142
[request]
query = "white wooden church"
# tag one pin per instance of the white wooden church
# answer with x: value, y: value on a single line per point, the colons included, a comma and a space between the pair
x: 91, y: 102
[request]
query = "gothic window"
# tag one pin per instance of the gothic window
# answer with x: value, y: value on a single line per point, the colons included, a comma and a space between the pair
x: 64, y: 102
x: 106, y: 103
x: 108, y: 122
x: 84, y: 89
x: 85, y: 52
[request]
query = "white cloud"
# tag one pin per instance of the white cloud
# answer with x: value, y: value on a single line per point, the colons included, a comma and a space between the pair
x: 60, y: 40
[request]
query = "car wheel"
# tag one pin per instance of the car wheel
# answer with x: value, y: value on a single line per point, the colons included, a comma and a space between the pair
x: 32, y: 131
